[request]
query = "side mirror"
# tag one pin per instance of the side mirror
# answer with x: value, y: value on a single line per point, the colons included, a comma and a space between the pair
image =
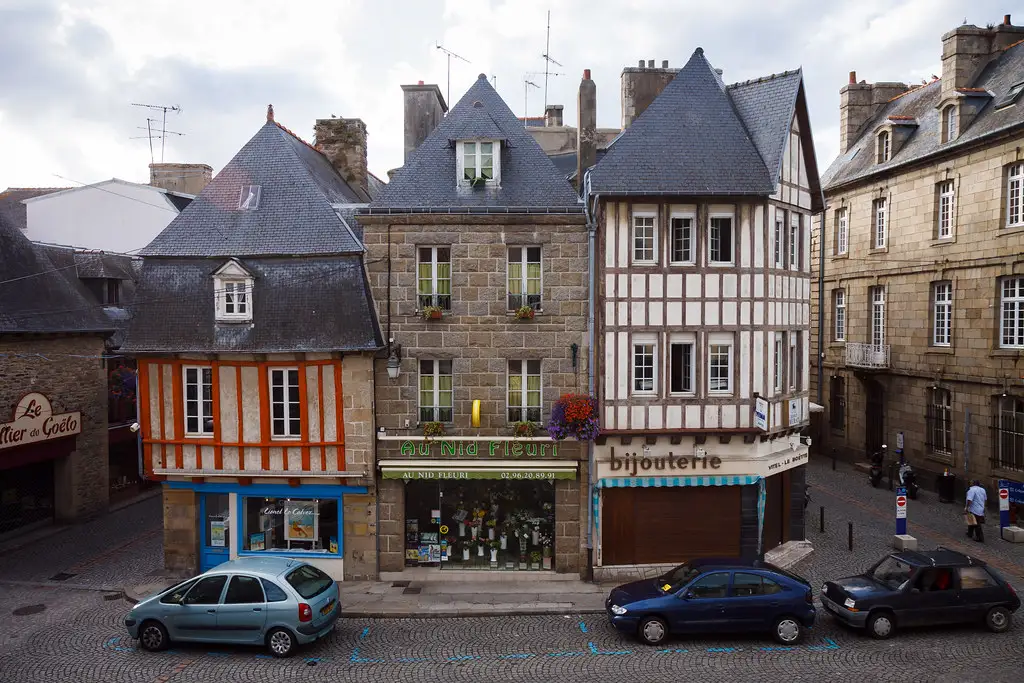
x: 688, y: 596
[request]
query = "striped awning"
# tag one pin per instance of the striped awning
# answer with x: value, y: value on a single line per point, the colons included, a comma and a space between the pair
x: 647, y: 482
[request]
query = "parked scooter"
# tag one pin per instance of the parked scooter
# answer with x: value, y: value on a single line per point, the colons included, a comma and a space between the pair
x: 877, y: 461
x: 908, y: 479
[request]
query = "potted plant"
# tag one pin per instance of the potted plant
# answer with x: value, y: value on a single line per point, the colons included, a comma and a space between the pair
x: 432, y: 312
x: 574, y: 415
x: 525, y: 313
x: 524, y: 429
x: 494, y: 551
x: 490, y: 529
x: 480, y: 543
x: 535, y: 560
x: 433, y: 429
x: 478, y: 182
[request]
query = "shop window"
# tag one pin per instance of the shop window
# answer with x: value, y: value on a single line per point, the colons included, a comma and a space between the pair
x: 285, y: 414
x: 244, y: 590
x: 524, y: 393
x: 524, y: 277
x: 198, y: 400
x: 434, y: 277
x: 290, y: 524
x: 436, y: 391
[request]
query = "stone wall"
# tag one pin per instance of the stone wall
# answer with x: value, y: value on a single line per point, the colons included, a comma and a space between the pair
x: 392, y: 524
x: 357, y: 394
x: 71, y: 384
x: 181, y: 530
x: 360, y: 537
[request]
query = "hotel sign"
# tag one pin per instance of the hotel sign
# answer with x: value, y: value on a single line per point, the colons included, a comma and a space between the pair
x: 34, y: 421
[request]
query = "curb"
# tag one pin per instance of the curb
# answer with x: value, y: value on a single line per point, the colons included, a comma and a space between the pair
x: 462, y: 613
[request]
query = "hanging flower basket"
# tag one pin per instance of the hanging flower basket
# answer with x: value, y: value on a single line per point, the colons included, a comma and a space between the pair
x: 525, y: 313
x: 574, y: 415
x: 524, y: 429
x: 433, y: 429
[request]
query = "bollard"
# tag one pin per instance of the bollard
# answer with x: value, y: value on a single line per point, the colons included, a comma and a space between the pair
x: 821, y: 518
x: 850, y: 540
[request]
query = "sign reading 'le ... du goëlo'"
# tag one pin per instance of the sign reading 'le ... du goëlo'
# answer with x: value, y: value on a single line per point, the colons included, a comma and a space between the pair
x: 34, y: 421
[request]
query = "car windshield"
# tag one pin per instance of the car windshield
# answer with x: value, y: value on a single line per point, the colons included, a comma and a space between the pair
x: 308, y: 581
x: 892, y: 573
x: 676, y: 578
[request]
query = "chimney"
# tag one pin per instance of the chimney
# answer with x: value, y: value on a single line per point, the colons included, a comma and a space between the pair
x: 553, y: 115
x: 184, y: 178
x: 424, y: 109
x: 640, y: 85
x: 859, y: 102
x: 343, y: 142
x: 586, y: 128
x: 967, y: 49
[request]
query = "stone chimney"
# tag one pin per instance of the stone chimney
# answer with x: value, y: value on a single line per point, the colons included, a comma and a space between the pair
x: 859, y: 102
x: 184, y: 178
x: 586, y: 128
x: 967, y: 49
x: 343, y: 142
x: 553, y: 115
x: 640, y: 85
x: 424, y: 109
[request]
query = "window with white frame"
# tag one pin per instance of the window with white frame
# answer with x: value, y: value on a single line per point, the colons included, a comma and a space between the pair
x: 285, y: 410
x: 1011, y: 321
x: 939, y: 417
x: 942, y: 313
x: 720, y: 363
x: 720, y: 239
x: 794, y: 242
x: 794, y: 361
x: 839, y: 314
x: 878, y: 316
x: 777, y: 362
x: 682, y: 240
x: 434, y: 277
x: 682, y: 363
x: 524, y: 391
x: 777, y: 239
x: 198, y: 398
x: 949, y: 123
x: 249, y: 198
x: 1015, y: 196
x: 879, y: 224
x: 842, y: 230
x: 944, y: 227
x: 480, y: 160
x: 884, y: 146
x: 645, y: 355
x: 436, y: 391
x: 645, y: 238
x: 234, y: 299
x: 524, y: 277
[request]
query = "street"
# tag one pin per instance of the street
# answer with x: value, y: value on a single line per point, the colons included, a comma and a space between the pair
x: 71, y: 630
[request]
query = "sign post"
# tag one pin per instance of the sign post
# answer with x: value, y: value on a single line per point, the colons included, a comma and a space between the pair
x: 901, y: 511
x: 1004, y: 503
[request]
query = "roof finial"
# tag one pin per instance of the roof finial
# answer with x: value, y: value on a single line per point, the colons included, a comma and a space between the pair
x: 270, y: 112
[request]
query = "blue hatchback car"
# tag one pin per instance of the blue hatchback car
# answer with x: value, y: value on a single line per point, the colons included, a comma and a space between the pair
x: 714, y: 596
x: 271, y: 601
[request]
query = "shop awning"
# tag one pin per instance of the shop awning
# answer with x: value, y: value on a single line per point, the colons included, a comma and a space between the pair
x: 647, y: 482
x: 475, y: 469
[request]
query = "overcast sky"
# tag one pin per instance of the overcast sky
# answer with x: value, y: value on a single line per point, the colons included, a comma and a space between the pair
x: 70, y: 70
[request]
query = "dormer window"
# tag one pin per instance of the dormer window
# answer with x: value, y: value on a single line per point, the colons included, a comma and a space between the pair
x: 249, y: 198
x: 950, y: 123
x: 884, y: 146
x: 479, y: 161
x: 232, y: 291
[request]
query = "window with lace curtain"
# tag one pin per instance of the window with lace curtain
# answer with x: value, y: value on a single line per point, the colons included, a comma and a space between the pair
x: 524, y: 393
x: 434, y: 277
x: 436, y: 391
x: 524, y: 277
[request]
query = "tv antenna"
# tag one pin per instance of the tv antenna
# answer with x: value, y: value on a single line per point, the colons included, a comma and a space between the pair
x: 527, y: 83
x: 149, y: 136
x: 450, y: 54
x: 548, y: 61
x: 165, y: 108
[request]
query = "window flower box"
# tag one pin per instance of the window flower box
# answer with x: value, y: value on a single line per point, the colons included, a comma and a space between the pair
x: 524, y: 429
x: 574, y: 415
x: 525, y: 313
x: 478, y: 182
x: 433, y: 429
x: 432, y: 313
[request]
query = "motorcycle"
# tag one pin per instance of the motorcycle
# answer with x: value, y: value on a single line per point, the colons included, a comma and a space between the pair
x: 877, y: 461
x: 908, y: 480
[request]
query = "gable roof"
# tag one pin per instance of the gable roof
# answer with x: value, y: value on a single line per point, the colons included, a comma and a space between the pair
x: 13, y: 212
x: 997, y: 78
x: 689, y: 141
x: 428, y: 180
x: 294, y: 215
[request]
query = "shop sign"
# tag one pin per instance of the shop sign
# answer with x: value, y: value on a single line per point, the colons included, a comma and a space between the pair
x: 472, y: 449
x: 34, y: 421
x: 791, y: 461
x: 761, y: 414
x: 630, y: 463
x: 440, y: 474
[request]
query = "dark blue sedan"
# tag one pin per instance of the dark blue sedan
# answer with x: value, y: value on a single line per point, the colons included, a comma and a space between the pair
x: 714, y: 596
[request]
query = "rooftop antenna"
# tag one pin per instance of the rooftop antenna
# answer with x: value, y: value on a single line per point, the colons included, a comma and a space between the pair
x: 526, y: 99
x: 165, y: 108
x: 450, y: 54
x: 548, y: 61
x: 149, y: 135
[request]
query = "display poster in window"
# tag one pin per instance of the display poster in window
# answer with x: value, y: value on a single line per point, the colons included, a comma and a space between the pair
x: 412, y: 554
x: 434, y: 554
x: 334, y: 545
x: 428, y: 537
x: 217, y: 533
x: 258, y: 541
x: 424, y: 554
x: 300, y: 521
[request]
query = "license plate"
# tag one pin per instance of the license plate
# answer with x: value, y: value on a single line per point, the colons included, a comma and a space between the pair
x: 326, y: 609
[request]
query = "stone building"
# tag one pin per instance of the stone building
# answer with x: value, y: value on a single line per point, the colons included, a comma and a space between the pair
x: 701, y: 214
x: 255, y: 335
x: 922, y: 305
x: 477, y: 255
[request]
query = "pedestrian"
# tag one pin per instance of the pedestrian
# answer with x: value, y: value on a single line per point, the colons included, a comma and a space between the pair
x: 974, y: 510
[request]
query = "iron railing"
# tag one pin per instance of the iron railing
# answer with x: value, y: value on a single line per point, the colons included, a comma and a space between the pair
x: 873, y: 356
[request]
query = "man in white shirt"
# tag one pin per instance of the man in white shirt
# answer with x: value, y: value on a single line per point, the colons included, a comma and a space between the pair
x: 976, y: 498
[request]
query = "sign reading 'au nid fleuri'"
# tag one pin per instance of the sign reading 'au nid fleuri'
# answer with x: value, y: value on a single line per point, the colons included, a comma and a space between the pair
x: 476, y: 449
x: 34, y: 421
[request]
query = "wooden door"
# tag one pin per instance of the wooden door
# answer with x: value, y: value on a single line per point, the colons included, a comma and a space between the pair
x: 874, y: 432
x: 617, y: 510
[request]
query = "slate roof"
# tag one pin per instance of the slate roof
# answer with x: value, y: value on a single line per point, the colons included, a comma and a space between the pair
x: 765, y: 106
x: 13, y: 211
x: 294, y: 216
x: 427, y: 182
x: 920, y: 103
x: 566, y: 161
x: 36, y: 297
x: 689, y: 141
x: 312, y: 304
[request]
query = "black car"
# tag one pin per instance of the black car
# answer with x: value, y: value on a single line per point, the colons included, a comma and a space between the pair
x: 915, y: 588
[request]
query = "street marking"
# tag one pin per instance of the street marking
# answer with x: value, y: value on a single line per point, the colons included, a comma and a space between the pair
x: 661, y: 652
x: 366, y: 632
x: 565, y: 654
x: 515, y: 656
x: 595, y: 651
x: 583, y: 627
x: 462, y: 658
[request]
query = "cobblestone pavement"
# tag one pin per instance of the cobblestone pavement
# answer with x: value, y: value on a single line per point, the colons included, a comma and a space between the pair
x: 78, y: 636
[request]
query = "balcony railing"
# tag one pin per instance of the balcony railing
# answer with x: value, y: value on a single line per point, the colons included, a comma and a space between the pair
x: 871, y: 356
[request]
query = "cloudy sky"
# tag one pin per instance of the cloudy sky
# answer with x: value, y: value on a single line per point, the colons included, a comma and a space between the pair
x: 70, y: 70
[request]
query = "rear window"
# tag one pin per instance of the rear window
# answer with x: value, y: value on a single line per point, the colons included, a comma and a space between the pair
x: 308, y: 581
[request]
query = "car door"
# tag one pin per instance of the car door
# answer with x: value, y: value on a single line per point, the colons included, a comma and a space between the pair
x: 243, y: 613
x: 195, y: 617
x: 745, y: 609
x: 979, y: 592
x: 931, y: 598
x: 702, y: 604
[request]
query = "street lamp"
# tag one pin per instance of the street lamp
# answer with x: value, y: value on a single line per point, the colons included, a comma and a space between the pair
x: 394, y: 359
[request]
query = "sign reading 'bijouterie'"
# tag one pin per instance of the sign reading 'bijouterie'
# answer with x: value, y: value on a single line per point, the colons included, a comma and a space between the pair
x: 34, y: 421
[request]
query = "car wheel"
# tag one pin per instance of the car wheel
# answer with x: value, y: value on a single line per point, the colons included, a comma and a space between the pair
x: 998, y: 620
x: 153, y: 636
x: 281, y: 642
x: 653, y: 630
x: 881, y: 625
x: 788, y: 631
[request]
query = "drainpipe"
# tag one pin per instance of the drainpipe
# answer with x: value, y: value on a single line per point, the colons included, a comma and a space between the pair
x: 590, y: 212
x: 821, y: 307
x: 138, y: 434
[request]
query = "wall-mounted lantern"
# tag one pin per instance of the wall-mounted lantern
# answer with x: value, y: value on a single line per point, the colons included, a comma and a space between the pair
x: 394, y: 359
